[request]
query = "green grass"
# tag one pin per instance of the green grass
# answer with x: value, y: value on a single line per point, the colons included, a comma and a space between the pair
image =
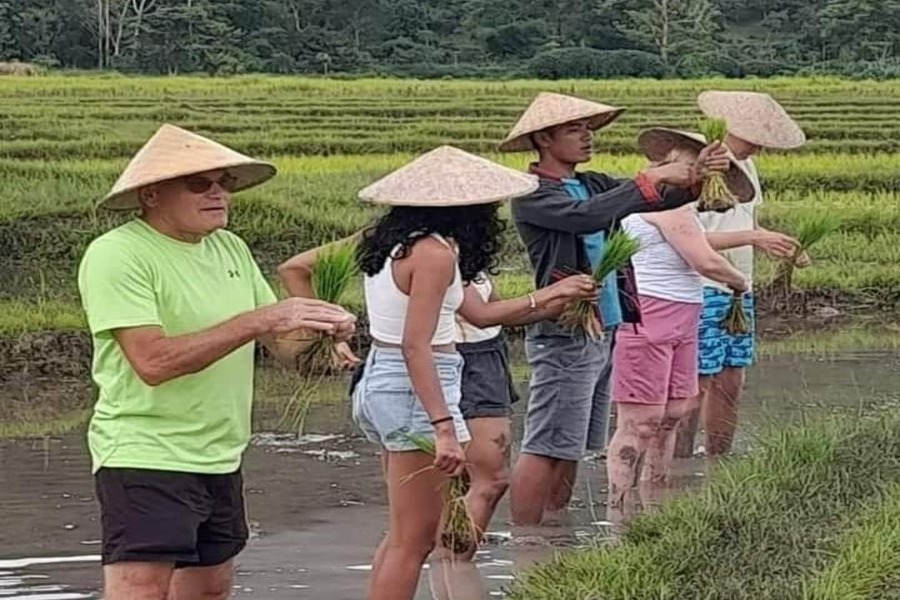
x: 771, y: 525
x: 827, y: 344
x: 65, y: 406
x: 19, y: 317
x: 868, y: 556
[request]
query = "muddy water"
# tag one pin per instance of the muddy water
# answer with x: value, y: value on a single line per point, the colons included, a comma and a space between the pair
x: 317, y: 506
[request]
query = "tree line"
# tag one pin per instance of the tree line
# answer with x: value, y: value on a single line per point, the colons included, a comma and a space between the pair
x: 471, y: 38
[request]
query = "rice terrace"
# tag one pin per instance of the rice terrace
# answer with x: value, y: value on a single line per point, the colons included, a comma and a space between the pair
x: 807, y: 509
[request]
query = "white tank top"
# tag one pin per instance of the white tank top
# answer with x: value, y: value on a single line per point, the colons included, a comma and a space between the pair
x: 660, y: 270
x: 468, y: 333
x: 386, y: 305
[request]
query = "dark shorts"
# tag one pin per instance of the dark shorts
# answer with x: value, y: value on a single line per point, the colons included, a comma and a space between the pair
x: 188, y: 519
x: 487, y: 385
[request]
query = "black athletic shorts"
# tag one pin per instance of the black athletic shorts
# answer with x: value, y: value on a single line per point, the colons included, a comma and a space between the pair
x: 188, y: 519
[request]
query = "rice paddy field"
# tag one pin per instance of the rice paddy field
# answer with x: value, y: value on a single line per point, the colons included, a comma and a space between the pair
x: 64, y: 139
x: 825, y: 497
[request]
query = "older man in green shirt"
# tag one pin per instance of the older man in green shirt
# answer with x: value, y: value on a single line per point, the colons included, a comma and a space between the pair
x: 175, y: 303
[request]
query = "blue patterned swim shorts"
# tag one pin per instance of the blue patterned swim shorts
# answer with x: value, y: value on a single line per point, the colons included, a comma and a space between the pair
x: 718, y: 348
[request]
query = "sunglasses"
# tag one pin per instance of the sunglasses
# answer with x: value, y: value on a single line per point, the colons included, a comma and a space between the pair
x: 198, y: 184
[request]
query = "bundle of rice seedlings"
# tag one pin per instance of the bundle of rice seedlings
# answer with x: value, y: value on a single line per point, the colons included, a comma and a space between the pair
x: 715, y: 195
x: 458, y: 531
x: 811, y: 229
x: 735, y: 321
x: 583, y: 315
x: 335, y: 268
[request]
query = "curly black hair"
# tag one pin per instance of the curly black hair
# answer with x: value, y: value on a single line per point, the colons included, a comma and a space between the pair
x: 477, y: 230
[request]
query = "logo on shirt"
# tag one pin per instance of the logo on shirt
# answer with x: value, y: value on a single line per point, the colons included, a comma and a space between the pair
x: 233, y: 274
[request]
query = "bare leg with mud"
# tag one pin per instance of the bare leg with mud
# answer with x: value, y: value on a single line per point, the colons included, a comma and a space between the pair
x: 658, y: 461
x: 487, y: 460
x: 137, y: 581
x: 638, y: 424
x: 456, y: 580
x: 720, y: 412
x: 686, y: 432
x: 202, y: 583
x: 415, y: 512
x: 531, y: 481
x: 564, y: 477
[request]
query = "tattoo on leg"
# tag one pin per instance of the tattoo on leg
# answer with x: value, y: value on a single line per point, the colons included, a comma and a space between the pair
x: 505, y: 446
x: 629, y: 455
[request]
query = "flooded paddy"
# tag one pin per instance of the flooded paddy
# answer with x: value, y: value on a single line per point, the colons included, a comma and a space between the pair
x: 317, y: 507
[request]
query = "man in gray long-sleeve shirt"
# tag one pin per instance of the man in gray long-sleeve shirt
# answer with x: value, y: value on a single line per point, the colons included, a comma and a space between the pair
x: 563, y: 225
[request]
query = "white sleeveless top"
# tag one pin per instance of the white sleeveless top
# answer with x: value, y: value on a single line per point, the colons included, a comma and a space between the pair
x: 386, y: 305
x: 468, y: 333
x: 660, y: 270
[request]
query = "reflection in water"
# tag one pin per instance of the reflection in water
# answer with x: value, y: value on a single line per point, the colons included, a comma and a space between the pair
x: 317, y: 505
x: 19, y: 579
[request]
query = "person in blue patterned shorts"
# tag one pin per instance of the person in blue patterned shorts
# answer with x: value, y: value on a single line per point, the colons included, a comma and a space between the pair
x: 755, y: 121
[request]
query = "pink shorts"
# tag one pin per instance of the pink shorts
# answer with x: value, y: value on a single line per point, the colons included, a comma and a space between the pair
x: 657, y: 361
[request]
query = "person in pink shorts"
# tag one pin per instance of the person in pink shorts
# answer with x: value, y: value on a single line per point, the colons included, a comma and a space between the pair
x: 655, y: 362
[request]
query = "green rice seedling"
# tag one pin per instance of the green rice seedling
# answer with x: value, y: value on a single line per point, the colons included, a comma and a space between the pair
x: 459, y: 534
x: 715, y: 195
x: 735, y: 321
x: 332, y: 276
x: 811, y: 229
x: 583, y: 315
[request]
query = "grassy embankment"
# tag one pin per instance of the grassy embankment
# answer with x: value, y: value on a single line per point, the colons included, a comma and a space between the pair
x: 812, y: 514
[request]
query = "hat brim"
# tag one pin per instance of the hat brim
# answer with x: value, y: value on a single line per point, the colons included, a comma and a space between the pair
x: 656, y: 144
x: 247, y: 175
x: 522, y: 142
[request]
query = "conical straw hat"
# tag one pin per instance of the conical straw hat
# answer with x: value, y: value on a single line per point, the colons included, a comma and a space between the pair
x: 657, y: 142
x: 448, y: 176
x: 173, y: 152
x: 548, y: 110
x: 754, y: 117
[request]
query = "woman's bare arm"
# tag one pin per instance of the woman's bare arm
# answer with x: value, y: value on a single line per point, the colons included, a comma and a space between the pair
x: 545, y: 303
x: 429, y: 270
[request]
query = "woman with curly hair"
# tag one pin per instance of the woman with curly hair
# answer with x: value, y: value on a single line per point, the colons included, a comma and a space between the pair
x: 441, y: 232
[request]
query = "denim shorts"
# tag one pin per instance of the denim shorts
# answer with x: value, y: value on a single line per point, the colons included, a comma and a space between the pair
x: 568, y: 409
x: 386, y: 408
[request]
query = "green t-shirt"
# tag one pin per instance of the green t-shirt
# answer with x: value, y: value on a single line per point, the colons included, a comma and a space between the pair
x: 135, y: 276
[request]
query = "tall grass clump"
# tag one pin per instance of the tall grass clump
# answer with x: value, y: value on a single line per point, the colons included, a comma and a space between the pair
x: 768, y: 526
x: 811, y: 229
